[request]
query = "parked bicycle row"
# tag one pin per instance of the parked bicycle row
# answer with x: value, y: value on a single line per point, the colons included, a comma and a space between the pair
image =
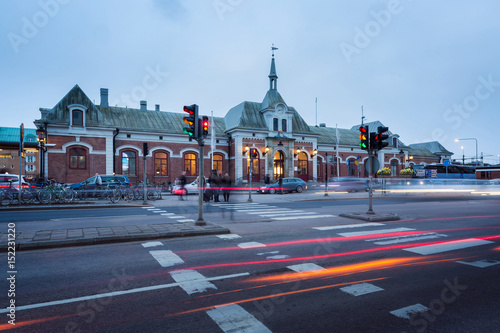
x: 53, y: 192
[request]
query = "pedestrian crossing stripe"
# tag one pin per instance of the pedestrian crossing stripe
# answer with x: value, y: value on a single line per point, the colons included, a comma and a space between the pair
x: 348, y: 226
x: 374, y: 232
x: 448, y: 246
x: 302, y: 217
x: 405, y: 239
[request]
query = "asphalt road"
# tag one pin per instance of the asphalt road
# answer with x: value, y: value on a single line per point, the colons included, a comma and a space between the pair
x: 436, y: 270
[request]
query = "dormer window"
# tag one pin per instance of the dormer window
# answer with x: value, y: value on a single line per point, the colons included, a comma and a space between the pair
x: 77, y: 115
x: 77, y: 118
x: 283, y: 125
x: 395, y: 142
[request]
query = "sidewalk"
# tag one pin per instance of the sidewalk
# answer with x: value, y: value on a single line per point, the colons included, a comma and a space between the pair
x: 101, y: 235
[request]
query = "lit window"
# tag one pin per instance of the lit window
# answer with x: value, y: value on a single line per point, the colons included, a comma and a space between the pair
x: 128, y: 163
x: 161, y: 162
x: 190, y: 164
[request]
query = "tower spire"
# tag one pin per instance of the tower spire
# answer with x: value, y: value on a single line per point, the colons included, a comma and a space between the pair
x: 273, y: 78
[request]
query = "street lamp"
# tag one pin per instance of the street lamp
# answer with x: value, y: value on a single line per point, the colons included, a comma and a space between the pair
x: 457, y: 140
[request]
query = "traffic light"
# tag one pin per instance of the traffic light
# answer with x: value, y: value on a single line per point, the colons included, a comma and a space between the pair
x: 145, y: 150
x: 204, y: 125
x: 363, y: 136
x: 381, y: 137
x: 253, y: 153
x: 373, y: 141
x: 192, y: 121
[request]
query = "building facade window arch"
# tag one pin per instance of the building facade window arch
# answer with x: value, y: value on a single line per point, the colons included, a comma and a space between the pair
x: 129, y: 162
x: 218, y: 162
x: 78, y: 157
x: 302, y: 160
x: 161, y: 165
x: 190, y: 165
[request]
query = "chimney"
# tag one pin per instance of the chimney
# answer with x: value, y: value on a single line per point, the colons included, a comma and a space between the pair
x: 144, y: 106
x: 322, y: 125
x: 157, y: 107
x: 104, y: 98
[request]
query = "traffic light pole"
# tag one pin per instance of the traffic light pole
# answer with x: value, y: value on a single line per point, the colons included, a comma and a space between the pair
x: 250, y: 180
x: 370, y: 187
x: 201, y: 182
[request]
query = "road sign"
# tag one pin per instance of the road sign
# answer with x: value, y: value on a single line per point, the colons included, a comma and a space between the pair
x: 446, y: 163
x: 372, y: 164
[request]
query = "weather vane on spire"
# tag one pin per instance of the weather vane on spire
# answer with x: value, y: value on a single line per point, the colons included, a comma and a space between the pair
x: 273, y: 48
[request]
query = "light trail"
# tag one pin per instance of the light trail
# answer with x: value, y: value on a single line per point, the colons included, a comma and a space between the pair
x: 273, y: 296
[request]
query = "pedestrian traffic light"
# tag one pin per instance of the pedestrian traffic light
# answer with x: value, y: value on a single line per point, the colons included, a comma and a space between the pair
x: 145, y: 150
x: 381, y: 137
x: 204, y: 125
x: 363, y: 136
x: 192, y: 121
x: 253, y: 153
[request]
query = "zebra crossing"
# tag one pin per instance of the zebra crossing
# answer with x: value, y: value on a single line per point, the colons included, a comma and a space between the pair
x: 174, y: 217
x: 273, y: 212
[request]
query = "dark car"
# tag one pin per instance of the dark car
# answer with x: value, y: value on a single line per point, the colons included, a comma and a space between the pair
x: 288, y: 185
x: 112, y: 180
x: 347, y: 184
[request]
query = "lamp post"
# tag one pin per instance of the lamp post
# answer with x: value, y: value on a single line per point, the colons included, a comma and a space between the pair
x: 42, y: 140
x: 457, y: 140
x: 463, y: 155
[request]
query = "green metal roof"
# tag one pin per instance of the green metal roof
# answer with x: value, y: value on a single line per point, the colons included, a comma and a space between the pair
x: 12, y: 134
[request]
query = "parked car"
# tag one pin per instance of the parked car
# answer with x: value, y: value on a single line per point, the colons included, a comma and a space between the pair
x: 346, y: 184
x: 7, y: 179
x: 191, y: 188
x: 288, y: 185
x: 114, y: 180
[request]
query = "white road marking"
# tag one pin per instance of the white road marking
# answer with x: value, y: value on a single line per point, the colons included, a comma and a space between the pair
x: 374, y: 232
x: 267, y: 209
x: 361, y: 289
x: 308, y: 267
x: 264, y: 253
x: 233, y: 318
x: 168, y: 214
x: 481, y: 263
x: 153, y: 209
x: 152, y: 244
x: 250, y: 245
x: 447, y: 246
x: 405, y: 239
x: 186, y: 220
x: 285, y: 214
x: 302, y: 217
x: 406, y: 312
x: 176, y: 217
x: 274, y: 210
x: 345, y: 226
x: 229, y: 236
x: 115, y: 293
x: 277, y: 257
x: 192, y: 281
x: 166, y: 258
x: 159, y: 211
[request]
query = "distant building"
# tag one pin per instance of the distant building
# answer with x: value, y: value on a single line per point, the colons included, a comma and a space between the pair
x: 90, y: 138
x: 9, y: 152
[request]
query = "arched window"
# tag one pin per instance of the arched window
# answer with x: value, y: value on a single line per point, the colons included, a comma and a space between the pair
x: 77, y: 158
x: 283, y: 125
x: 217, y: 165
x: 77, y: 118
x: 161, y: 164
x: 351, y: 168
x: 279, y: 165
x: 190, y: 164
x: 129, y: 163
x: 275, y: 124
x: 394, y: 167
x: 302, y: 164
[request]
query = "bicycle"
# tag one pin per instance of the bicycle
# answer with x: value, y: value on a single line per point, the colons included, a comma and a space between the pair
x: 9, y: 194
x: 55, y: 192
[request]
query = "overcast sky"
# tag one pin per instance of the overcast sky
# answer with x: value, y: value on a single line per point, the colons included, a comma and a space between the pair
x: 429, y: 70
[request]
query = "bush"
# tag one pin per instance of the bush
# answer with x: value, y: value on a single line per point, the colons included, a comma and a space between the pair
x: 407, y: 171
x: 384, y: 172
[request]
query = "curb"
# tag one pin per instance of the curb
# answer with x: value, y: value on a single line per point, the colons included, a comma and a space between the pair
x: 50, y: 244
x: 377, y: 217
